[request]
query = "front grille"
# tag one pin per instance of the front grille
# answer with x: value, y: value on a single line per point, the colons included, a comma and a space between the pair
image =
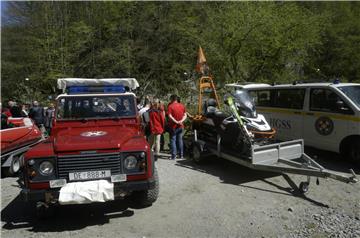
x: 88, y: 162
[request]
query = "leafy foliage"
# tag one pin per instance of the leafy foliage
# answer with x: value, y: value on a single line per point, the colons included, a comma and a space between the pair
x: 156, y: 42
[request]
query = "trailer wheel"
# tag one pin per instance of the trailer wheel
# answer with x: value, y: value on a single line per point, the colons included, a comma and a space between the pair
x: 196, y: 154
x: 304, y: 187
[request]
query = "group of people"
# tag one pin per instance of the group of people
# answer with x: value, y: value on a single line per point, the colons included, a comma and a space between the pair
x: 157, y: 121
x: 42, y: 117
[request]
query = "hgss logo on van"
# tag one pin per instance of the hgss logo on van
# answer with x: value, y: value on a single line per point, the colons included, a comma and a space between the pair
x: 93, y: 133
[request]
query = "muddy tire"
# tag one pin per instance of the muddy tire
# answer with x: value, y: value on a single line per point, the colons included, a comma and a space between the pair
x: 147, y: 197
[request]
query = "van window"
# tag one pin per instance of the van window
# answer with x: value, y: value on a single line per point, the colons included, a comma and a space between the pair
x: 325, y: 100
x: 288, y: 98
x: 263, y: 98
x: 353, y: 92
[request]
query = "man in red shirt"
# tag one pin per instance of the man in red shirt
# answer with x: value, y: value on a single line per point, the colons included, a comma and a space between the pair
x: 177, y: 116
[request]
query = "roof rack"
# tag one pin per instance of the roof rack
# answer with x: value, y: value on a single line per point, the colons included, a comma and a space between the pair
x: 314, y: 81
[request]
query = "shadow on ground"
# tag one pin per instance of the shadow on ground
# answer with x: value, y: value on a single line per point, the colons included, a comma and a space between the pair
x: 332, y: 160
x: 228, y: 172
x: 19, y: 214
x: 232, y: 173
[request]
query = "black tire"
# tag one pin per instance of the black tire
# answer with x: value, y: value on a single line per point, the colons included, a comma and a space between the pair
x: 147, y: 197
x: 196, y: 154
x: 304, y: 187
x: 354, y: 151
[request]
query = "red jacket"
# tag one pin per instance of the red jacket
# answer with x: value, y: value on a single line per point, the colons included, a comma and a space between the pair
x: 157, y: 121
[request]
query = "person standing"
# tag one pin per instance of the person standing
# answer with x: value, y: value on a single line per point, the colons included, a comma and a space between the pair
x: 156, y: 125
x: 144, y: 114
x: 37, y: 114
x: 24, y: 112
x: 14, y: 109
x: 49, y: 115
x: 177, y: 116
x: 162, y: 137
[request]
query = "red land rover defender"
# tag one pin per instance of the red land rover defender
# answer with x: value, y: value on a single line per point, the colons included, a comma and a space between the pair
x: 96, y: 152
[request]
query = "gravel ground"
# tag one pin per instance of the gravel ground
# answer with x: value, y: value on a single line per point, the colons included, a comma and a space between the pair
x: 217, y: 199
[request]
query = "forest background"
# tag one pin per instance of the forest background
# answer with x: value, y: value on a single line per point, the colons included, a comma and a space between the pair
x: 157, y: 43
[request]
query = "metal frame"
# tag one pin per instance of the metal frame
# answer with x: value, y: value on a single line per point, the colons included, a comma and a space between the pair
x: 279, y: 157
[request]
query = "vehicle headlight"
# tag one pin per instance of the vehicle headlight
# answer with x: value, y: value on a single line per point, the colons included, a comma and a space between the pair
x: 130, y: 162
x: 46, y: 168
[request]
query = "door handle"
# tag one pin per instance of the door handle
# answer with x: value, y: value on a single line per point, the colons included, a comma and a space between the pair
x: 310, y: 114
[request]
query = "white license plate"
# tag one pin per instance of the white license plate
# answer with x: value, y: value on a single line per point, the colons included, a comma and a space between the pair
x: 89, y: 175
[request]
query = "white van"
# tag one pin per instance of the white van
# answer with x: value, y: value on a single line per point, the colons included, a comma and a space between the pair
x: 325, y: 115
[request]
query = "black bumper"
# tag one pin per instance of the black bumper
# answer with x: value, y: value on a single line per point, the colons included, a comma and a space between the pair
x: 47, y: 195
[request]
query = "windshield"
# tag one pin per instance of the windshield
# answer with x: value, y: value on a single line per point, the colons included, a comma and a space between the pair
x: 244, y: 104
x: 353, y: 92
x: 87, y: 107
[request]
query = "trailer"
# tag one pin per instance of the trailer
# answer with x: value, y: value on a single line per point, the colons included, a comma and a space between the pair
x: 282, y: 157
x: 241, y: 135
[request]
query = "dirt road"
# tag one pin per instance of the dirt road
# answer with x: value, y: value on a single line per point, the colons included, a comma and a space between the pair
x: 218, y: 199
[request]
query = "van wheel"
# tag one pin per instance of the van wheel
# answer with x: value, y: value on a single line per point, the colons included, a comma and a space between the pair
x: 147, y: 197
x: 354, y: 151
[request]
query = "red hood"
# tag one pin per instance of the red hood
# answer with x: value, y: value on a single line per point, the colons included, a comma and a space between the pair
x: 17, y: 137
x: 95, y: 138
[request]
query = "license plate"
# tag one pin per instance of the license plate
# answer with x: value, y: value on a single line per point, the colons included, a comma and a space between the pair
x: 89, y: 175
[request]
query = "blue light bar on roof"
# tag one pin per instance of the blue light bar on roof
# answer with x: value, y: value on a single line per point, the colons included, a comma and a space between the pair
x: 92, y: 89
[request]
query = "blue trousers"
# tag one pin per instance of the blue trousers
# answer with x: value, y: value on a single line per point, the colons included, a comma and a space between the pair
x: 176, y: 140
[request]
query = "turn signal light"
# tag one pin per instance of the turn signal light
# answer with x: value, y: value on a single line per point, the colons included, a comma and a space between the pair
x: 32, y: 174
x: 142, y: 165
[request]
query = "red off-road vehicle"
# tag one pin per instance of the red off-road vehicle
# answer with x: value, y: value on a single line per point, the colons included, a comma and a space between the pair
x: 96, y: 151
